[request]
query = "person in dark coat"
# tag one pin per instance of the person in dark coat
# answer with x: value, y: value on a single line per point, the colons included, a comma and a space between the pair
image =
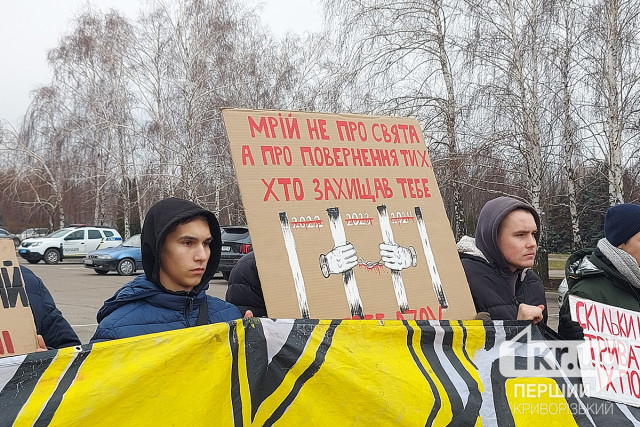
x: 609, y: 273
x: 50, y: 324
x: 180, y: 254
x: 498, y: 262
x: 245, y: 290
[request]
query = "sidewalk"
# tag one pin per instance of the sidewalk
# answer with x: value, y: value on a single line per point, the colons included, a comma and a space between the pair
x: 552, y: 306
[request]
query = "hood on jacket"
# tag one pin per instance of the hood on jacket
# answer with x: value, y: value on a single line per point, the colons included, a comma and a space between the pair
x: 161, y: 218
x: 489, y: 220
x: 579, y: 264
x: 467, y: 249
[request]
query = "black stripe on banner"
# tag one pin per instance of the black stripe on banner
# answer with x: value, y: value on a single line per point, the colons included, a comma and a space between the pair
x: 16, y: 392
x: 283, y: 361
x: 236, y: 397
x: 437, y: 403
x: 427, y: 345
x: 514, y: 327
x: 257, y: 359
x: 464, y: 346
x: 635, y: 412
x: 321, y: 353
x: 579, y: 414
x: 65, y: 382
x: 470, y: 413
x: 489, y: 335
x: 500, y: 402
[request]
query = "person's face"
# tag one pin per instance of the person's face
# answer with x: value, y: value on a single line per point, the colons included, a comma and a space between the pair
x: 632, y: 247
x: 184, y: 255
x: 517, y: 239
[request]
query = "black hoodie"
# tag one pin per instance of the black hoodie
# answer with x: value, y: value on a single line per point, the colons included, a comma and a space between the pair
x: 144, y: 306
x: 494, y: 287
x: 162, y: 218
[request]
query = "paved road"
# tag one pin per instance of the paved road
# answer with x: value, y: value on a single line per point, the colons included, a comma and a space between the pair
x: 79, y: 292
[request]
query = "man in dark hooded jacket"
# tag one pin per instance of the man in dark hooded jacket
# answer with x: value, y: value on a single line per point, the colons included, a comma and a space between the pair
x: 50, y: 324
x: 180, y: 254
x: 245, y: 290
x: 497, y: 263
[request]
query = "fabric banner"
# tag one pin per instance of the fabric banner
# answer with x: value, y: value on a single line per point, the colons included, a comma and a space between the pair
x: 303, y: 372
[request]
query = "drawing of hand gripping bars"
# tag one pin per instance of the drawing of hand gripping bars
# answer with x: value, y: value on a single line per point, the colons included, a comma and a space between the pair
x: 340, y: 260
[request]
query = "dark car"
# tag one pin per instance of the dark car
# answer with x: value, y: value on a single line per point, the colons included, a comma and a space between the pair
x: 235, y: 243
x: 4, y: 234
x: 125, y: 259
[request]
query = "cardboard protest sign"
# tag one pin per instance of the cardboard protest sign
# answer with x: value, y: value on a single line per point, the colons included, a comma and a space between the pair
x: 345, y: 216
x: 610, y: 357
x: 17, y: 330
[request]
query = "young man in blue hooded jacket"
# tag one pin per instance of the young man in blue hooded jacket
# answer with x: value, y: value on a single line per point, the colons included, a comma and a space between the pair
x: 180, y: 254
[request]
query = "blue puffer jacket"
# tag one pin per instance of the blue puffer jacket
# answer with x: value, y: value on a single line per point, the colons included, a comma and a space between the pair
x: 140, y: 307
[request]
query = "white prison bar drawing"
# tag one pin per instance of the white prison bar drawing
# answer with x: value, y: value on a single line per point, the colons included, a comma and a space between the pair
x: 431, y: 261
x: 396, y: 275
x: 349, y: 279
x: 298, y: 280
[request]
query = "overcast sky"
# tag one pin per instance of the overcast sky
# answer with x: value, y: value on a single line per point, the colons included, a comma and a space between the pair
x: 29, y: 28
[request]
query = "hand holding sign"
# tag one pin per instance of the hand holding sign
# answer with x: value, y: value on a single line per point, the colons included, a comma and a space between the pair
x: 338, y: 260
x: 570, y: 329
x: 396, y: 257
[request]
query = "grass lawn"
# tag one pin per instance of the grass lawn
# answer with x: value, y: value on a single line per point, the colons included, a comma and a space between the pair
x: 557, y: 261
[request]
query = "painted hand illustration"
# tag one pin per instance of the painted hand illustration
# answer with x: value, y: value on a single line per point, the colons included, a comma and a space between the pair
x: 396, y: 257
x: 338, y: 260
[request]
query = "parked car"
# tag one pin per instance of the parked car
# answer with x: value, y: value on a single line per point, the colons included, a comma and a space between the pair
x: 4, y: 234
x: 34, y: 232
x: 235, y: 243
x: 125, y: 259
x: 72, y: 242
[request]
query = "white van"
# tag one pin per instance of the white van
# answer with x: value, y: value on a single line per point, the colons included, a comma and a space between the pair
x: 71, y: 242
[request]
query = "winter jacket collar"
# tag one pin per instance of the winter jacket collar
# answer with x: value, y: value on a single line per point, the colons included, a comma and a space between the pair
x: 626, y: 264
x: 142, y: 289
x: 467, y: 249
x: 591, y: 262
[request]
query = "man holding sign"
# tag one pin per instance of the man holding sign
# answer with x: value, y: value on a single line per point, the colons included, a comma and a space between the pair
x: 609, y: 274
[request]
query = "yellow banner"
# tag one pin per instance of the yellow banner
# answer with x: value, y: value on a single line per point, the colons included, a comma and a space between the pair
x: 296, y: 372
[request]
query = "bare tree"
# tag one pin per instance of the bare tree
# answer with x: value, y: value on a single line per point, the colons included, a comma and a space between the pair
x: 612, y: 65
x: 402, y: 57
x: 39, y: 155
x: 564, y: 50
x: 89, y: 68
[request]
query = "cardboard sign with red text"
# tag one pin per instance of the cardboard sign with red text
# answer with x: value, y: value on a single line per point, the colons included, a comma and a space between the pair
x: 610, y: 356
x: 345, y: 217
x: 17, y: 330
